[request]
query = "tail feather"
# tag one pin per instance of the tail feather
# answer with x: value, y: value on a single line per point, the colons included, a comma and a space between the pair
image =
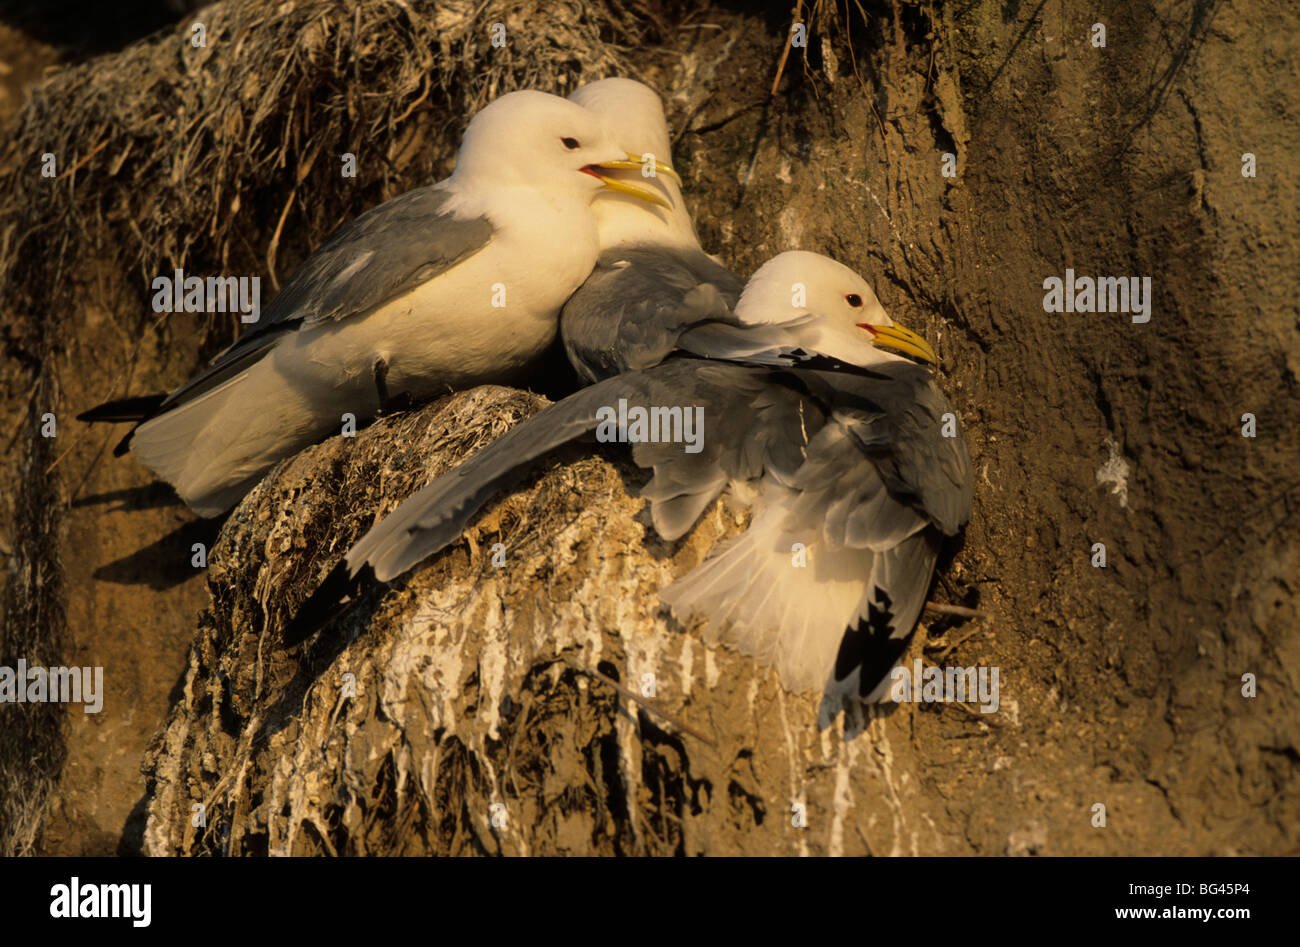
x: 757, y: 598
x: 213, y: 449
x: 839, y: 621
x: 886, y: 619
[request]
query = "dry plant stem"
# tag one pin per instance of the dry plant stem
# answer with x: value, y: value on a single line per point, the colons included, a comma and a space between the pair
x: 82, y: 163
x: 959, y: 610
x: 639, y: 701
x: 686, y: 123
x: 785, y: 53
x: 949, y: 648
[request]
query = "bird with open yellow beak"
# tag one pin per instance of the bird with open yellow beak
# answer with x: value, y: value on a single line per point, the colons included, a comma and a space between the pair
x: 447, y: 286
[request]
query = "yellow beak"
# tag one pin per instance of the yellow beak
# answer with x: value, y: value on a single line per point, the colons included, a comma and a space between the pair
x: 634, y: 163
x: 901, y: 340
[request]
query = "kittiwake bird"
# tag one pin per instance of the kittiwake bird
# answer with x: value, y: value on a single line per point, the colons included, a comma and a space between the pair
x: 446, y: 286
x: 653, y: 280
x: 834, y: 438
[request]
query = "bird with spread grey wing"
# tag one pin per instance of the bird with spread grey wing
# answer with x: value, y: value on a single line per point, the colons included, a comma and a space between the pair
x: 446, y: 286
x: 835, y: 440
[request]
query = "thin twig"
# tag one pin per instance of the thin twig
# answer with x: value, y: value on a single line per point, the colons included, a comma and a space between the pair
x: 952, y: 646
x: 638, y: 700
x: 686, y: 125
x: 59, y: 458
x: 977, y: 714
x: 785, y: 53
x: 82, y: 163
x: 960, y: 610
x: 274, y: 245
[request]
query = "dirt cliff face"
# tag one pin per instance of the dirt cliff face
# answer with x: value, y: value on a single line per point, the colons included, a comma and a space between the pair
x: 473, y: 719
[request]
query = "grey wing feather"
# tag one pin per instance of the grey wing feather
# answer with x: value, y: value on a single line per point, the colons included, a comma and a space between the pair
x: 753, y: 344
x: 894, y: 419
x: 637, y: 303
x: 384, y: 253
x: 749, y: 427
x: 435, y: 515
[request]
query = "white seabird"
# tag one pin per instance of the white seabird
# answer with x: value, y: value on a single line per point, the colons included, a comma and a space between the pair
x: 653, y: 280
x: 835, y: 440
x: 405, y: 299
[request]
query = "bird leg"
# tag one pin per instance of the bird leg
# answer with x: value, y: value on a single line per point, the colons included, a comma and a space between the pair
x: 388, y: 404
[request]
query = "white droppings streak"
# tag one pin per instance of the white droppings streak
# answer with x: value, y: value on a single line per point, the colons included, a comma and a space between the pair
x: 492, y: 670
x: 712, y: 673
x: 870, y: 193
x: 884, y: 754
x: 842, y: 799
x: 1114, y: 473
x: 686, y: 661
x: 796, y: 793
x: 790, y: 224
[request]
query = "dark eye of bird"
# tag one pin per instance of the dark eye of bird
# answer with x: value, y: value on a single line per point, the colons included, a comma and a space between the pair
x: 570, y: 143
x: 854, y: 300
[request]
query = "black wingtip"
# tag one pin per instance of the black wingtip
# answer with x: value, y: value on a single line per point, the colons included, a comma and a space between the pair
x: 123, y: 409
x: 326, y: 603
x: 872, y: 645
